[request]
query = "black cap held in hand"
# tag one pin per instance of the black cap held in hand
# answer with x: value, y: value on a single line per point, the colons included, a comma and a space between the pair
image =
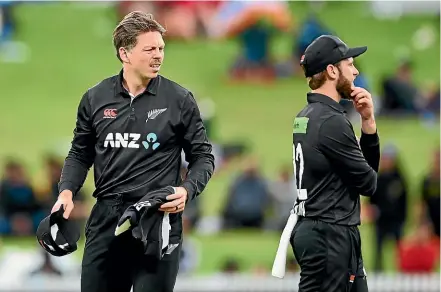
x: 327, y: 50
x: 58, y: 236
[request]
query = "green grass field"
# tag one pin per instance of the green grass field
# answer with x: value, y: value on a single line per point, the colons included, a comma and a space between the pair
x: 70, y: 51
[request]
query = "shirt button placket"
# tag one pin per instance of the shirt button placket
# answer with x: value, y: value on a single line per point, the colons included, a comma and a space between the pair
x: 132, y: 112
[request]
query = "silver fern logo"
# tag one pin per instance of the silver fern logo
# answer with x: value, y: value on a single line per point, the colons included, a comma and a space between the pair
x: 151, y: 115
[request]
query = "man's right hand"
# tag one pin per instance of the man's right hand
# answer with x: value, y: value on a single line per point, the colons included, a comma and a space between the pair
x: 65, y: 199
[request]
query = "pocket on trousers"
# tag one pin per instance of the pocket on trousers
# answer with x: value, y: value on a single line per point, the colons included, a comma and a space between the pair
x: 309, y: 241
x: 90, y: 220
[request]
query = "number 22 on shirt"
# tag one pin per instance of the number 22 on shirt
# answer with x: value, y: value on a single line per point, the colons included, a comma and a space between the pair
x: 300, y: 128
x: 299, y: 166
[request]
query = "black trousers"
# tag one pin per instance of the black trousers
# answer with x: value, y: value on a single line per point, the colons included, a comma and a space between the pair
x: 117, y: 263
x: 329, y: 257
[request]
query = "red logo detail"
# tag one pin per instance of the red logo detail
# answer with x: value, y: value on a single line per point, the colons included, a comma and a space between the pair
x: 110, y: 113
x: 352, y: 278
x: 302, y: 59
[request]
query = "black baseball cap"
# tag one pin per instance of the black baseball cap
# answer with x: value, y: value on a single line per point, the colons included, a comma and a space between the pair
x: 326, y: 50
x: 57, y: 235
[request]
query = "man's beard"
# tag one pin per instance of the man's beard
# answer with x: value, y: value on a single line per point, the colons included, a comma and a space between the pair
x: 344, y: 87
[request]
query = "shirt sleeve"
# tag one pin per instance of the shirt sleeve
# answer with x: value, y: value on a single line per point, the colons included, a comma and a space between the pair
x: 370, y: 146
x: 339, y: 144
x: 197, y: 149
x: 82, y: 152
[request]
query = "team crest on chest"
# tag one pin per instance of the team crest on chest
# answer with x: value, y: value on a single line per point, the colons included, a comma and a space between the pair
x: 152, y: 114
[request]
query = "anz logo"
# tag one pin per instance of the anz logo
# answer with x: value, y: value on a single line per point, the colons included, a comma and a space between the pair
x: 151, y: 141
x: 131, y: 140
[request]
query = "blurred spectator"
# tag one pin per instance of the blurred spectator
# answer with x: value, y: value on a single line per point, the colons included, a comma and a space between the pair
x: 20, y: 209
x: 418, y: 253
x: 47, y: 194
x: 48, y: 187
x: 431, y: 102
x: 7, y: 22
x: 227, y: 153
x: 185, y: 20
x: 247, y: 199
x: 207, y: 108
x: 189, y: 252
x: 400, y: 95
x: 11, y: 51
x: 431, y: 194
x: 54, y: 167
x: 389, y: 202
x: 230, y: 266
x: 283, y: 194
x: 254, y: 24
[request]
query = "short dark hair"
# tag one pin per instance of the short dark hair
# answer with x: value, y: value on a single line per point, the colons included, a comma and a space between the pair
x: 131, y: 26
x: 317, y: 80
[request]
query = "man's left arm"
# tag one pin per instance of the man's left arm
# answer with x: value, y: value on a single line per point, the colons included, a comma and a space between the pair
x: 369, y: 141
x: 197, y: 149
x: 370, y: 146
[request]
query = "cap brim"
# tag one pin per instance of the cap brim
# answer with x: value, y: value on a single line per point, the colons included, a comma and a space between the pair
x: 355, y: 52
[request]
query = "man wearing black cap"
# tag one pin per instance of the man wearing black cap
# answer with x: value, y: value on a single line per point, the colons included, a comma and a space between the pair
x: 332, y: 170
x: 132, y: 127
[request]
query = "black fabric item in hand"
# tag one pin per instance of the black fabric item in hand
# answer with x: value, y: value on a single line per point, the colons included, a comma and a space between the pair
x: 58, y: 236
x: 147, y: 222
x: 149, y: 231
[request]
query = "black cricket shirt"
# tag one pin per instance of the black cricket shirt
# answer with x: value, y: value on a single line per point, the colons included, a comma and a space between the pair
x: 331, y: 168
x: 135, y: 143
